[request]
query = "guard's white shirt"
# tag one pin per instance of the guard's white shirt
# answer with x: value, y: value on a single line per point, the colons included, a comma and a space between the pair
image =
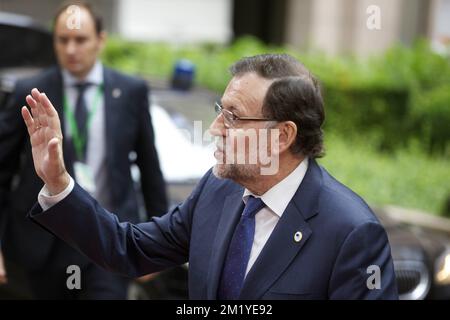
x: 96, y: 143
x: 95, y: 149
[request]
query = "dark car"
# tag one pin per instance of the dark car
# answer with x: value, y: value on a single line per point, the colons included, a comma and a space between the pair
x: 26, y: 48
x: 421, y: 253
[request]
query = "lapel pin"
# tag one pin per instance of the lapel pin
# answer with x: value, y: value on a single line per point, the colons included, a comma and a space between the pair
x: 298, y: 236
x: 116, y: 93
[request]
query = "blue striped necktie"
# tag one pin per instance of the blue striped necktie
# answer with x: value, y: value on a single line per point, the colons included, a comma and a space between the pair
x: 236, y: 262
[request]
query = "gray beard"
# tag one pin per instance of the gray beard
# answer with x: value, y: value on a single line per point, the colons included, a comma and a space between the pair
x: 236, y: 172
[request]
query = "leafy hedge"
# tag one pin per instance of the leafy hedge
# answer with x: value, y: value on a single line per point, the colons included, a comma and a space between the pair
x: 406, y: 177
x: 398, y: 102
x: 399, y: 98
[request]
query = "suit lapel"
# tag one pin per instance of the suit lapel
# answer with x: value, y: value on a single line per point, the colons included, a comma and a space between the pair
x: 231, y: 212
x: 111, y: 111
x: 281, y: 247
x: 55, y: 92
x: 277, y: 254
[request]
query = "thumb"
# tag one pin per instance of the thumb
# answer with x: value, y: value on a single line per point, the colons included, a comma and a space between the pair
x: 53, y: 150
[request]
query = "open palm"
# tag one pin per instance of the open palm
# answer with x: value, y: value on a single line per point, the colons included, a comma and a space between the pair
x: 44, y: 129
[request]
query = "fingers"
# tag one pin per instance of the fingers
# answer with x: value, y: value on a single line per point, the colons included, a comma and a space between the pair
x: 29, y: 122
x: 41, y: 112
x: 35, y: 93
x: 44, y: 103
x: 34, y: 109
x: 46, y: 111
x: 48, y: 107
x: 31, y: 102
x: 52, y: 115
x: 35, y: 100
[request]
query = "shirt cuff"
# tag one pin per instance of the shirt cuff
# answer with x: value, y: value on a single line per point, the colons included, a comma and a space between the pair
x: 46, y: 201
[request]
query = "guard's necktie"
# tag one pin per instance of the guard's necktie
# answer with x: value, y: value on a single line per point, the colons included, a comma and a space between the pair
x: 81, y: 116
x: 236, y: 261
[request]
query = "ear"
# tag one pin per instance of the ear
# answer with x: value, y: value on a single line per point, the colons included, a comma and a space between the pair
x: 102, y: 39
x: 287, y: 135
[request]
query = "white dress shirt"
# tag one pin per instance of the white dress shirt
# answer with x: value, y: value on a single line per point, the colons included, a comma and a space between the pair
x: 276, y: 200
x: 96, y: 143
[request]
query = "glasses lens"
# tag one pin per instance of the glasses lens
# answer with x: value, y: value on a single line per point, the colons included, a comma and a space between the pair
x: 217, y: 108
x: 227, y: 115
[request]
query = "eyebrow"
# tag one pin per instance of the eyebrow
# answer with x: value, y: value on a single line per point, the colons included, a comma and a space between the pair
x: 231, y: 108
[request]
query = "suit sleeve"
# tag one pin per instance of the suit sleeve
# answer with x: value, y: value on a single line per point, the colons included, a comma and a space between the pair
x: 130, y: 249
x: 152, y: 181
x: 12, y: 139
x: 364, y: 267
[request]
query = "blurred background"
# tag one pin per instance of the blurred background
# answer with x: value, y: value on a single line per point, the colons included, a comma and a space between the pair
x: 384, y: 66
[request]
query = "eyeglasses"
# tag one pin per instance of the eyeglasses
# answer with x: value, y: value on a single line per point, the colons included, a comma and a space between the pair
x: 231, y: 119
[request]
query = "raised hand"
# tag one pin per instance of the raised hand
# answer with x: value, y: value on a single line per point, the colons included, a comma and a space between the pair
x: 44, y: 128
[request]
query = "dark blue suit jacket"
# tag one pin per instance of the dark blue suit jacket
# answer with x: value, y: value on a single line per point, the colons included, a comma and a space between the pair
x: 128, y: 128
x: 341, y: 239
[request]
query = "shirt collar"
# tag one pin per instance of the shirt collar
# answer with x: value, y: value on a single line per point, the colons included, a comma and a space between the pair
x: 278, y: 197
x: 95, y: 76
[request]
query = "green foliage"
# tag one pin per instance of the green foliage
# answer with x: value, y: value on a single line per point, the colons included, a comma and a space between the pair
x: 430, y: 114
x: 407, y: 177
x: 399, y: 97
x: 397, y: 103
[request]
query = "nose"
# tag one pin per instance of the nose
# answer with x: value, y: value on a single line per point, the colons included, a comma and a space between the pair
x: 70, y: 47
x: 217, y: 127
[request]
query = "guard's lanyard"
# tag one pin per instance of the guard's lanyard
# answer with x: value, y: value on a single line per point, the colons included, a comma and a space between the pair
x: 79, y: 140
